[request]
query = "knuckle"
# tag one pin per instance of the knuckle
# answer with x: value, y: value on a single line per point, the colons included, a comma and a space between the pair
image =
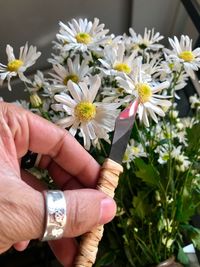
x: 83, y: 211
x: 75, y: 220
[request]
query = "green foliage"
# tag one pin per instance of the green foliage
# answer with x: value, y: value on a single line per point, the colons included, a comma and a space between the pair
x: 193, y: 136
x: 182, y: 257
x: 147, y: 172
x: 196, y: 238
x: 157, y: 200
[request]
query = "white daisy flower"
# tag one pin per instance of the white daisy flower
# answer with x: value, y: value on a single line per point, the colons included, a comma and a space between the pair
x: 73, y: 71
x: 150, y: 103
x: 17, y: 66
x: 188, y: 122
x: 134, y: 150
x: 173, y: 114
x: 59, y: 58
x: 163, y: 152
x: 182, y: 138
x: 166, y: 71
x: 183, y: 163
x: 152, y: 66
x: 82, y: 35
x: 93, y: 119
x: 147, y: 42
x: 38, y: 83
x: 116, y: 94
x: 194, y: 101
x: 182, y: 52
x: 115, y: 60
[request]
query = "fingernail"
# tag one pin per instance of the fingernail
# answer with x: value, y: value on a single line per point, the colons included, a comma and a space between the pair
x: 108, y: 210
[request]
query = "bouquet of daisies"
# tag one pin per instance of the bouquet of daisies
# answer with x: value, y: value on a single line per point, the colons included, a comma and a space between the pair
x: 94, y: 75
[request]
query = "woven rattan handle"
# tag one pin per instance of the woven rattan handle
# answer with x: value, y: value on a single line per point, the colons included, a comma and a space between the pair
x: 108, y: 182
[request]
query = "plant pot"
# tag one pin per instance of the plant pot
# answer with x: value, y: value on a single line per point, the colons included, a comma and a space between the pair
x: 169, y: 263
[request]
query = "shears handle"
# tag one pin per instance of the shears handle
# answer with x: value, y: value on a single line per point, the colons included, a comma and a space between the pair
x: 108, y: 181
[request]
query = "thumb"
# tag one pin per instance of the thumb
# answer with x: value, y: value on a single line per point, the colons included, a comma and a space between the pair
x: 87, y: 208
x: 23, y: 213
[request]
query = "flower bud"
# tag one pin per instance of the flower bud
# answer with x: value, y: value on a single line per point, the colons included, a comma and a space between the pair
x: 173, y: 114
x: 35, y: 101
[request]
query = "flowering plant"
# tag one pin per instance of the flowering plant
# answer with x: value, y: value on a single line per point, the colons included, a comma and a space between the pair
x: 93, y: 77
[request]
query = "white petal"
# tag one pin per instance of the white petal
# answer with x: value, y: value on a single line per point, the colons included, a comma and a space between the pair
x: 9, y: 86
x: 65, y: 99
x: 96, y: 82
x: 23, y: 78
x: 104, y: 63
x: 10, y: 54
x: 75, y: 91
x: 145, y: 118
x: 65, y: 122
x: 161, y: 102
x: 68, y: 110
x: 84, y: 89
x: 156, y: 109
x: 189, y: 71
x: 140, y: 111
x: 86, y: 138
x: 74, y: 128
x: 153, y: 115
x: 57, y: 107
x: 160, y: 87
x: 91, y: 131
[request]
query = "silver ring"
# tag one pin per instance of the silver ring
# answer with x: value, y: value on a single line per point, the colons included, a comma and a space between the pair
x: 55, y: 217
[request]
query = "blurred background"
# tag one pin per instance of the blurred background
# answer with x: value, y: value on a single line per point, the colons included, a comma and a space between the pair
x: 36, y: 22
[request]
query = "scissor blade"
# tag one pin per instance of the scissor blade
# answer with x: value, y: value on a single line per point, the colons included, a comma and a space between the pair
x: 123, y: 127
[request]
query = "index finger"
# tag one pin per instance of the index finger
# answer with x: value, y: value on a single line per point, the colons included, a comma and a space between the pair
x: 44, y: 137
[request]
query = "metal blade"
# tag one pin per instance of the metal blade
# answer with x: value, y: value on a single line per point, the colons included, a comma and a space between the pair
x: 123, y: 127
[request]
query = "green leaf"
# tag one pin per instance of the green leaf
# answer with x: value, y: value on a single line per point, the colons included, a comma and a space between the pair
x: 185, y: 207
x: 196, y: 238
x: 129, y: 255
x: 147, y: 172
x: 193, y: 136
x: 141, y: 208
x: 182, y: 256
x: 107, y: 259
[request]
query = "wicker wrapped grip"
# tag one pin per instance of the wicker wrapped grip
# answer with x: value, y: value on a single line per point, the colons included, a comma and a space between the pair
x: 108, y: 182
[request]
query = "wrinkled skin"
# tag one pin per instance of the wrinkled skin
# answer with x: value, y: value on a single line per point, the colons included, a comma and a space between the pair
x: 21, y: 200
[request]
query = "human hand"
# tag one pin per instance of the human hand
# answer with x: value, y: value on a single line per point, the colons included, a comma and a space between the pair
x: 71, y: 167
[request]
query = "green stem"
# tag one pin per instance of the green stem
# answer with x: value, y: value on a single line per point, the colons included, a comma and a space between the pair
x: 146, y: 250
x: 152, y: 244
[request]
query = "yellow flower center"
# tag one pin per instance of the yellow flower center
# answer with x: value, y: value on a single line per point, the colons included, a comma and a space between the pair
x: 120, y: 90
x: 123, y: 67
x: 165, y: 157
x: 73, y: 77
x: 65, y: 43
x: 135, y: 150
x: 171, y: 66
x: 144, y: 92
x: 126, y: 156
x: 135, y: 47
x: 14, y: 65
x: 187, y: 56
x: 83, y: 37
x: 85, y: 111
